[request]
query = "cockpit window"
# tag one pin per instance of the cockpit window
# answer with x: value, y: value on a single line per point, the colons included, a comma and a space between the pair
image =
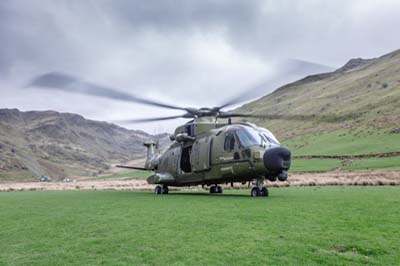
x: 248, y: 137
x: 229, y: 144
x: 269, y: 137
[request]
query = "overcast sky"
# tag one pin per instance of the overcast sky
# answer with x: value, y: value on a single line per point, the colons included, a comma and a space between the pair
x: 190, y: 53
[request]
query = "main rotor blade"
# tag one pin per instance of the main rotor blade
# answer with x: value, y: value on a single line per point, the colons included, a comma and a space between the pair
x: 324, y: 118
x: 245, y: 95
x: 132, y: 167
x: 144, y: 120
x: 63, y: 82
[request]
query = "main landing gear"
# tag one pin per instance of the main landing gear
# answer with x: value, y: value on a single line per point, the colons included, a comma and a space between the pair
x: 216, y: 189
x: 161, y: 189
x: 259, y: 190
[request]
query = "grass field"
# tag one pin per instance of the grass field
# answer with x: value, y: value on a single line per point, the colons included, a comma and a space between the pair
x: 294, y: 226
x: 345, y: 142
x: 324, y: 165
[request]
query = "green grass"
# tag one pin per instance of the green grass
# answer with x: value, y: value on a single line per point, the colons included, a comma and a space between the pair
x: 294, y: 226
x: 324, y: 165
x: 314, y: 165
x: 343, y: 142
x: 389, y: 163
x: 132, y: 174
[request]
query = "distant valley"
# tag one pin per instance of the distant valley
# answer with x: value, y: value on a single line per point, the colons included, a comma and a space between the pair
x: 61, y: 144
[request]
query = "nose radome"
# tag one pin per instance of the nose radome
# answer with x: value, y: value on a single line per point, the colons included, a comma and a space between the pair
x: 277, y: 159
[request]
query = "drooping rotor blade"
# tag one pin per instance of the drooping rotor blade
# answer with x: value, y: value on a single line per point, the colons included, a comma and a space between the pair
x: 271, y: 117
x: 154, y: 119
x: 132, y: 167
x: 64, y: 82
x: 324, y: 118
x: 293, y: 117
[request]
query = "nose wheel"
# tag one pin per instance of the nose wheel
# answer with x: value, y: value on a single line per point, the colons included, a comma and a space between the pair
x: 216, y: 189
x: 259, y: 190
x: 161, y: 190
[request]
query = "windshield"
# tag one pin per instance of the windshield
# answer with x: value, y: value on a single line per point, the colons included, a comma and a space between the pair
x: 269, y: 137
x: 248, y: 137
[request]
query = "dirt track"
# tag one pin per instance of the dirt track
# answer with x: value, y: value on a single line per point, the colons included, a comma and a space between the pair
x: 315, y: 179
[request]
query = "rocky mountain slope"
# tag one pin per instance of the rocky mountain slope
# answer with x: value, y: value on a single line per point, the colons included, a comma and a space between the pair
x: 362, y: 93
x: 62, y: 144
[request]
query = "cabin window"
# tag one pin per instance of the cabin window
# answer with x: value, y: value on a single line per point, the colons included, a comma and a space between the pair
x: 229, y: 144
x: 190, y: 130
x: 185, y: 159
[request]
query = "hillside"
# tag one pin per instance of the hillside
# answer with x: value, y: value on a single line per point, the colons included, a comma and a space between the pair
x: 286, y: 71
x: 366, y: 91
x: 62, y: 144
x: 365, y: 96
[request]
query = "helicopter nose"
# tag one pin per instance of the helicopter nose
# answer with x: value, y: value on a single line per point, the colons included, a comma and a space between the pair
x: 277, y: 159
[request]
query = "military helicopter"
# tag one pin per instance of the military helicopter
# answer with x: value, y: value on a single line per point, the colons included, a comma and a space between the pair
x: 208, y: 150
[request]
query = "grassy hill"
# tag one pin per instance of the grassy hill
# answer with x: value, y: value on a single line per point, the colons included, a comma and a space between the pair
x: 364, y: 95
x: 61, y: 144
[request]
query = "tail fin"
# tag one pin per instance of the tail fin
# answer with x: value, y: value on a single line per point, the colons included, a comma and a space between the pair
x: 151, y: 152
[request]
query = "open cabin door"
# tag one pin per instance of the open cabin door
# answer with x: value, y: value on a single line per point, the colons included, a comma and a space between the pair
x: 200, y: 158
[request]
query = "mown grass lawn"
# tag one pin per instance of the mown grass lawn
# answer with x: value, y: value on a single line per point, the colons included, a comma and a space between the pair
x: 294, y: 226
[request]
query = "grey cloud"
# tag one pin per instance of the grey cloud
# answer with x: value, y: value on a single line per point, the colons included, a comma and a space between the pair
x: 181, y: 52
x: 186, y: 14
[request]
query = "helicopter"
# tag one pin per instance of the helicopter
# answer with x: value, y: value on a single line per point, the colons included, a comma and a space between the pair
x: 208, y: 150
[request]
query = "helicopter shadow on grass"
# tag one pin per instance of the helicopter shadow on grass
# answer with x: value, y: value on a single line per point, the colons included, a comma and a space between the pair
x: 243, y: 194
x: 208, y: 195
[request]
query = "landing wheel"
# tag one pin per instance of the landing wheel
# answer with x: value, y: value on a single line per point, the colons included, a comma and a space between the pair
x: 213, y: 189
x: 164, y: 189
x: 264, y: 192
x: 157, y: 190
x: 216, y: 189
x: 255, y: 192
